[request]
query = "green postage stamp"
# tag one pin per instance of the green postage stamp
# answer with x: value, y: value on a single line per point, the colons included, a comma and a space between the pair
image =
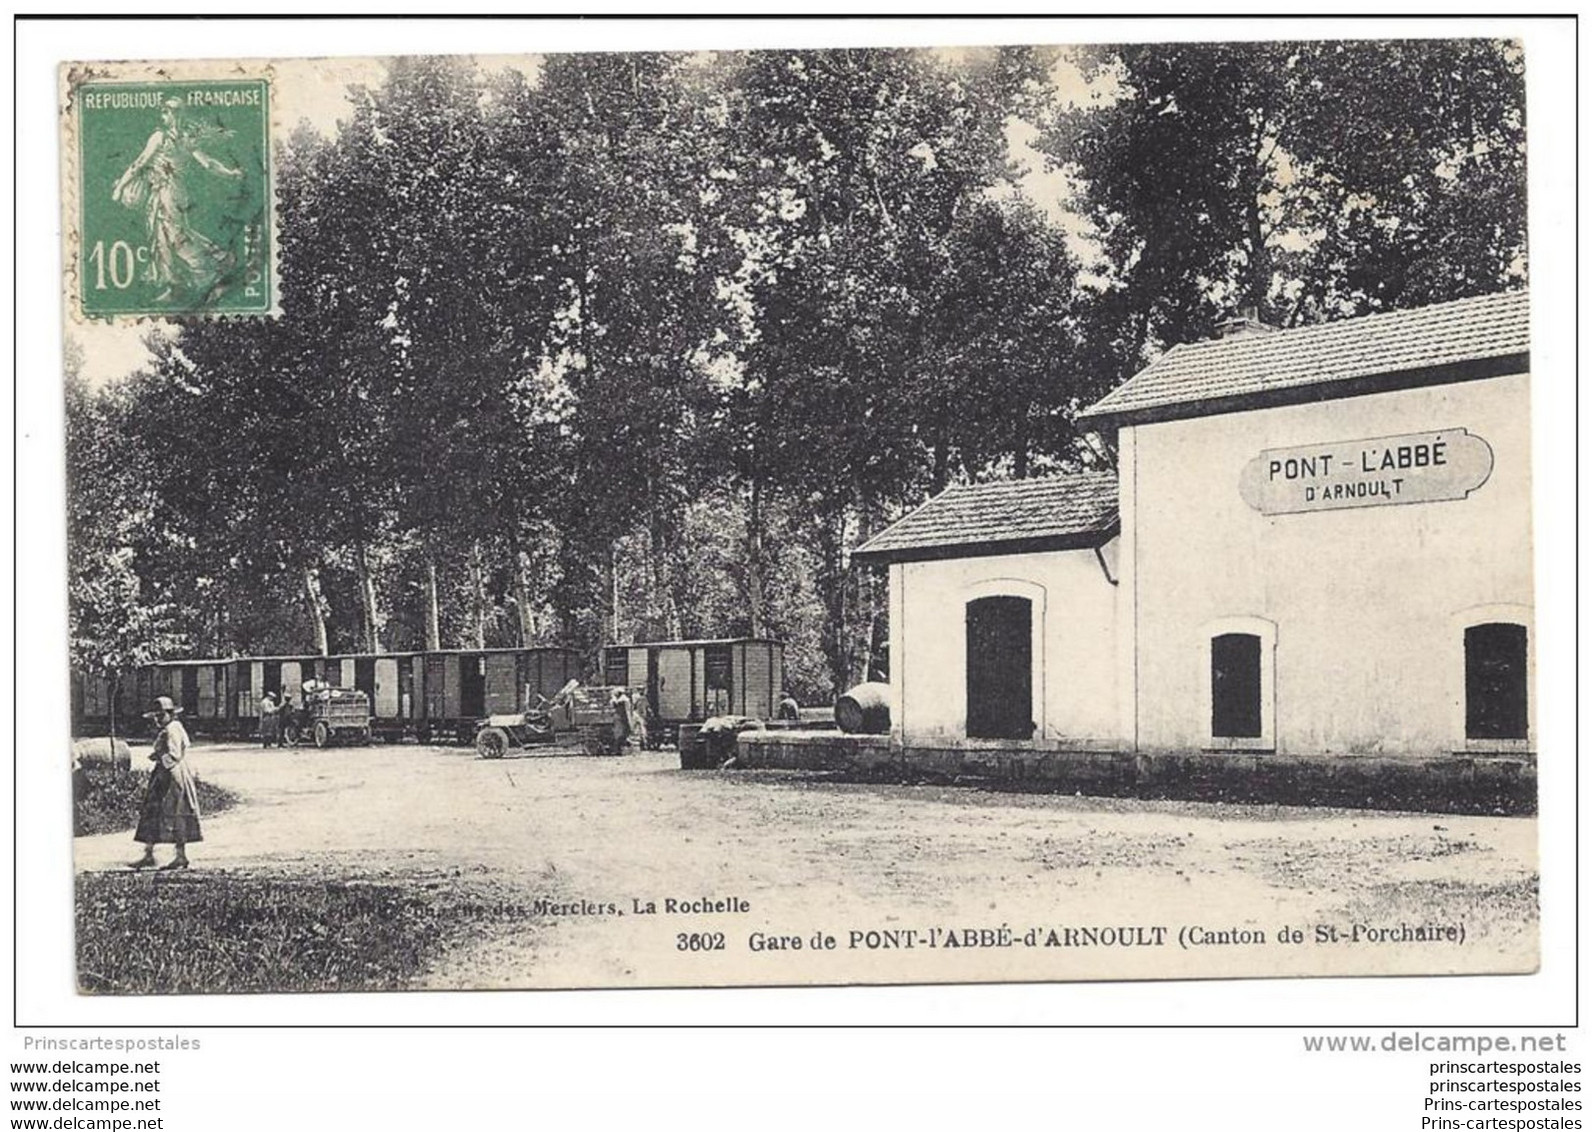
x: 174, y: 201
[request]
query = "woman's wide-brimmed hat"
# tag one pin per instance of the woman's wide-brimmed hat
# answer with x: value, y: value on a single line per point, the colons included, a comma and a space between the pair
x: 163, y: 704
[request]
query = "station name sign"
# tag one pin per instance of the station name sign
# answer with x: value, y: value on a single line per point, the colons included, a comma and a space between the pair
x: 1422, y: 467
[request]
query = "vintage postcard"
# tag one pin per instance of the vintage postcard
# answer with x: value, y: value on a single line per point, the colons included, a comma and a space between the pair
x: 858, y: 516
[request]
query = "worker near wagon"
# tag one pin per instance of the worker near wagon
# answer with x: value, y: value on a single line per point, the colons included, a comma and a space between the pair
x: 270, y: 722
x: 789, y: 710
x: 621, y: 709
x: 286, y: 719
x: 638, y: 717
x: 170, y: 814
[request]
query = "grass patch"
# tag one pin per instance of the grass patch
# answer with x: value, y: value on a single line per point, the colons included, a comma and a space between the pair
x: 229, y: 933
x: 106, y: 799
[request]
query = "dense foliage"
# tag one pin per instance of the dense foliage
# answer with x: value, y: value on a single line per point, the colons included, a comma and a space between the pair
x: 639, y: 346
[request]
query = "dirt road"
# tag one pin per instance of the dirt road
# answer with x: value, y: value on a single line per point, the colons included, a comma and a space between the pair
x: 926, y: 877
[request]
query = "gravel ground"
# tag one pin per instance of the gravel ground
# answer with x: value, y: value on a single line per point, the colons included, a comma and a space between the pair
x: 600, y: 839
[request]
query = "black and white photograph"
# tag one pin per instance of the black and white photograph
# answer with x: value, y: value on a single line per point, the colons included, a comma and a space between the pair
x: 806, y: 569
x: 1013, y: 513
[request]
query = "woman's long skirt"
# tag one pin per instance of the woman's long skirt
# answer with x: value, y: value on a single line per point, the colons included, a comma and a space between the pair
x: 169, y: 816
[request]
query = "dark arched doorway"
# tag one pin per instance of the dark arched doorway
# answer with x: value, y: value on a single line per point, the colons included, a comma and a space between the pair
x: 1000, y: 670
x: 1495, y: 681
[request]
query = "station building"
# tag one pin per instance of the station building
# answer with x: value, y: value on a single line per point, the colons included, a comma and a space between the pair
x: 1316, y: 541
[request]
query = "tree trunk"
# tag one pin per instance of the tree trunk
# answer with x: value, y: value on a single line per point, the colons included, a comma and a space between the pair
x: 522, y: 598
x: 1020, y: 446
x: 677, y: 597
x: 478, y: 595
x: 433, y: 615
x: 312, y: 598
x: 879, y: 644
x: 871, y: 610
x: 613, y: 592
x: 367, y: 601
x: 663, y: 617
x: 754, y: 556
x: 832, y: 583
x: 1259, y: 281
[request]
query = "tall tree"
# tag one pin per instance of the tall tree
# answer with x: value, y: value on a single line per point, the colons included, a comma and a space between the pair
x: 1303, y: 180
x: 859, y: 172
x: 636, y: 331
x: 115, y: 621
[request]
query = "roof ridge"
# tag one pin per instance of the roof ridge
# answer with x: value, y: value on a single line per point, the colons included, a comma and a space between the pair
x: 1477, y: 336
x: 1358, y: 319
x: 1057, y: 509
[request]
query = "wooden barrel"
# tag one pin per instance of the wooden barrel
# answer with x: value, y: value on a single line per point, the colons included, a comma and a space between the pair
x: 693, y: 752
x: 865, y: 710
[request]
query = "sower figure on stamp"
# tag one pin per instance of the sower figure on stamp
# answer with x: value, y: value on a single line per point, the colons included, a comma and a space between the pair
x: 171, y: 803
x: 180, y: 256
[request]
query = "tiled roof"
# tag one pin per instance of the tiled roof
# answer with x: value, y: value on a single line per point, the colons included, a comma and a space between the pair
x: 1333, y: 359
x: 1011, y: 516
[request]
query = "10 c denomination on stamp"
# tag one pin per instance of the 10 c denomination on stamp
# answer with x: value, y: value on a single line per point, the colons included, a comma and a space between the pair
x: 174, y: 191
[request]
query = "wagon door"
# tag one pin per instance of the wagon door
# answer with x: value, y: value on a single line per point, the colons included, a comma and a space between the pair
x: 435, y: 692
x: 205, y: 699
x: 673, y: 682
x: 719, y: 683
x: 384, y: 687
x: 248, y: 681
x: 364, y: 677
x: 616, y: 667
x: 501, y: 690
x: 189, y: 695
x: 472, y: 687
x: 638, y: 670
x: 755, y: 679
x: 292, y: 679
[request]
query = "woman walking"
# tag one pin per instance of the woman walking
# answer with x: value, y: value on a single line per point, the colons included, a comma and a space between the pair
x: 171, y: 804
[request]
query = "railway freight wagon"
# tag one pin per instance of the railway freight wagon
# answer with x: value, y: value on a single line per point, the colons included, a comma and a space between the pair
x: 380, y: 677
x: 691, y: 681
x: 454, y: 690
x: 98, y: 709
x: 202, y: 688
x: 430, y: 695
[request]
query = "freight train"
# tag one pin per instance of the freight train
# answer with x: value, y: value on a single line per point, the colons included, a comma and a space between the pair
x: 433, y: 696
x: 440, y: 696
x: 689, y: 682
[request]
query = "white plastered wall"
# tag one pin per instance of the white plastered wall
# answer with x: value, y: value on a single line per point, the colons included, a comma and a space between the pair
x: 1073, y: 646
x: 1369, y: 603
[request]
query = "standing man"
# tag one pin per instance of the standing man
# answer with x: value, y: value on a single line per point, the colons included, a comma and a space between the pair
x: 270, y: 722
x: 171, y: 803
